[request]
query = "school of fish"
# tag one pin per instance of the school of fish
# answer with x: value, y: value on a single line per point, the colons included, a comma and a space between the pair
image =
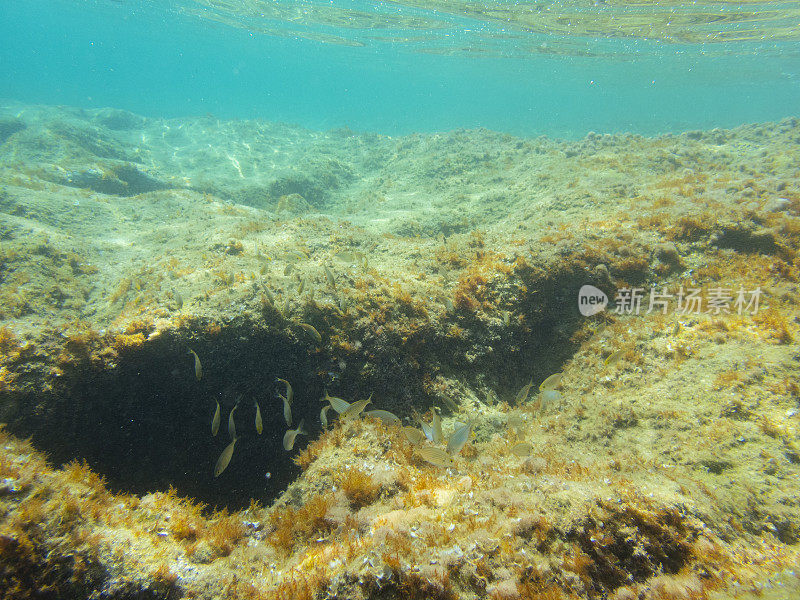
x: 421, y: 439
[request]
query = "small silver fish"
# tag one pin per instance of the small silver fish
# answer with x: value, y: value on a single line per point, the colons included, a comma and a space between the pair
x: 436, y: 427
x: 289, y: 436
x: 413, y: 435
x: 523, y: 449
x: 384, y: 415
x: 215, y: 421
x: 436, y: 456
x: 615, y: 356
x: 516, y: 422
x: 270, y: 297
x: 288, y: 269
x: 338, y: 404
x: 309, y: 329
x: 224, y: 459
x: 347, y: 257
x: 329, y: 276
x: 287, y: 410
x: 289, y: 390
x: 231, y: 423
x: 522, y: 395
x: 548, y: 397
x: 198, y: 368
x: 355, y: 409
x: 296, y: 255
x: 323, y: 416
x: 459, y: 438
x: 552, y: 382
x: 427, y: 430
x: 259, y: 422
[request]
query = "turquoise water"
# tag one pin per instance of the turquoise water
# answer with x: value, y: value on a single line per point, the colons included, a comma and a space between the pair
x: 171, y: 59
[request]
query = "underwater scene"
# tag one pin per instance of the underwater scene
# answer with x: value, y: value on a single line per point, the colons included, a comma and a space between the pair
x: 399, y: 300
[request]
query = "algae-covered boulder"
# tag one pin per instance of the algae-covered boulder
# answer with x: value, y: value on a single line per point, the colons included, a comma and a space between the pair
x: 119, y: 120
x: 9, y: 126
x: 293, y: 204
x: 117, y: 178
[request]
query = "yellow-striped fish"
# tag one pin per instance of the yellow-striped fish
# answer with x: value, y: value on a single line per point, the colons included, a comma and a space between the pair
x: 289, y: 436
x: 329, y: 276
x: 413, y: 435
x: 549, y: 397
x: 436, y: 456
x: 516, y: 422
x: 224, y: 459
x: 355, y: 409
x: 436, y: 426
x: 323, y: 416
x: 287, y: 410
x: 459, y: 438
x: 346, y: 257
x: 522, y: 395
x: 289, y: 390
x: 259, y: 422
x: 198, y: 368
x: 551, y: 382
x: 312, y: 332
x: 295, y: 255
x: 231, y: 423
x: 215, y: 421
x: 338, y: 404
x: 384, y: 415
x: 522, y: 449
x: 427, y: 430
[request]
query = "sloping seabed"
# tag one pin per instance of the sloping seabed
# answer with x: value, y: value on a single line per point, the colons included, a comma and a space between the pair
x: 439, y: 273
